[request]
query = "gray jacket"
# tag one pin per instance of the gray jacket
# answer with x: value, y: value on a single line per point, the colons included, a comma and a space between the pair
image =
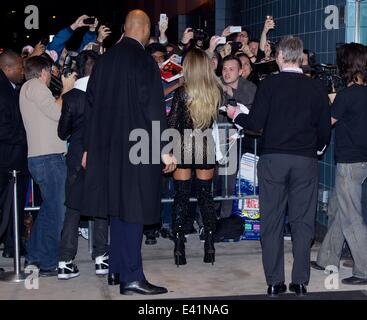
x: 245, y: 94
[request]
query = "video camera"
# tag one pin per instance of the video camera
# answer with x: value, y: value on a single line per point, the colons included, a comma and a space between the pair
x: 56, y: 86
x: 264, y: 69
x: 328, y: 75
x: 66, y: 71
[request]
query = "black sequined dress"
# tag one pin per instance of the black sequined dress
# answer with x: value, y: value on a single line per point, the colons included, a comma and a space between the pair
x: 197, y: 149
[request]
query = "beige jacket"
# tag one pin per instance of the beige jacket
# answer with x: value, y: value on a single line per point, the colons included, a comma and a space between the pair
x: 41, y: 116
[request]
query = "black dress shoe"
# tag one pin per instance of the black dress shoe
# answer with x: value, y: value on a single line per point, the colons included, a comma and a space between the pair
x: 113, y: 279
x: 355, y: 281
x: 141, y: 287
x: 274, y: 291
x: 316, y: 266
x: 299, y: 289
x: 2, y: 270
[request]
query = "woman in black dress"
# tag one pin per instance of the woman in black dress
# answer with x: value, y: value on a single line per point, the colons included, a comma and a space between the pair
x: 194, y: 110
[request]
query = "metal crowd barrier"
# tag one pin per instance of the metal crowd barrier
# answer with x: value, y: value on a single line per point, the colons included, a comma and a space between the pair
x: 224, y: 197
x: 17, y: 276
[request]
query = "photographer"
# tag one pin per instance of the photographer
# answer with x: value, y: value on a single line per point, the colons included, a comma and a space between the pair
x: 350, y: 118
x: 71, y: 128
x: 46, y: 161
x: 193, y: 38
x: 239, y: 42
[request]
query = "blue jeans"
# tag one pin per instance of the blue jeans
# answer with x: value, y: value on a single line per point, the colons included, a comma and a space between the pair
x: 49, y: 172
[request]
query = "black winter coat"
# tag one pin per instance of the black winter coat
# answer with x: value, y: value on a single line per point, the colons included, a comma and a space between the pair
x: 13, y: 139
x: 124, y: 93
x: 71, y: 128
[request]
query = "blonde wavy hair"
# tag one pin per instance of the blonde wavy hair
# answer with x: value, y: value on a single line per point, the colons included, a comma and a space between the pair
x: 202, y: 87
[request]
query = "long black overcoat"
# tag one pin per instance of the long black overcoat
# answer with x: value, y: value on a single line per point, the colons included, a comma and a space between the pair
x: 13, y: 139
x: 71, y: 128
x: 124, y: 93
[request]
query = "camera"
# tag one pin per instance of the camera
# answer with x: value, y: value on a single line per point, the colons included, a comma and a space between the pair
x: 329, y: 77
x: 55, y: 86
x: 232, y: 102
x: 222, y: 40
x: 69, y: 64
x: 236, y: 29
x: 89, y: 21
x: 236, y: 46
x: 163, y: 18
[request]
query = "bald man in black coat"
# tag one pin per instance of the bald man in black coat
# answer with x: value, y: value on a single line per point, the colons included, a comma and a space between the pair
x: 125, y: 93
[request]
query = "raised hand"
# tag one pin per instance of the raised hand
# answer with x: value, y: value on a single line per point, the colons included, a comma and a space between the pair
x: 79, y: 23
x: 103, y: 33
x: 187, y: 36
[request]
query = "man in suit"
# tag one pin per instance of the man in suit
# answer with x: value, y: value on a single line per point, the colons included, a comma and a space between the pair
x: 292, y: 112
x: 13, y: 141
x: 125, y: 93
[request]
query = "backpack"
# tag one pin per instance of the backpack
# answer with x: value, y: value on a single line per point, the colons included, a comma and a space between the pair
x: 229, y: 229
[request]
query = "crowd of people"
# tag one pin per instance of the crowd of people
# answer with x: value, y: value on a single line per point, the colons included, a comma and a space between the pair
x: 67, y: 119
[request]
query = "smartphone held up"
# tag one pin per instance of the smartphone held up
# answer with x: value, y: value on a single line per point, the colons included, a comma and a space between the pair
x: 89, y: 21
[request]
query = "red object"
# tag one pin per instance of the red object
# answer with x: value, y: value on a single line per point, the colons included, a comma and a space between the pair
x: 171, y: 71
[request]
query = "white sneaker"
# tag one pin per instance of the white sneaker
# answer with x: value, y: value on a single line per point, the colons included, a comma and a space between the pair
x: 102, y: 265
x: 84, y: 233
x: 67, y: 270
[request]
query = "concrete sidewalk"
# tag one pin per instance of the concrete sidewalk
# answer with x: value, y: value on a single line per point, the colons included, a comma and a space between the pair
x: 238, y: 271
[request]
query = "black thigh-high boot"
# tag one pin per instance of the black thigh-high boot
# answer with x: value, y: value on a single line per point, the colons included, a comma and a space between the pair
x: 179, y: 216
x: 207, y: 209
